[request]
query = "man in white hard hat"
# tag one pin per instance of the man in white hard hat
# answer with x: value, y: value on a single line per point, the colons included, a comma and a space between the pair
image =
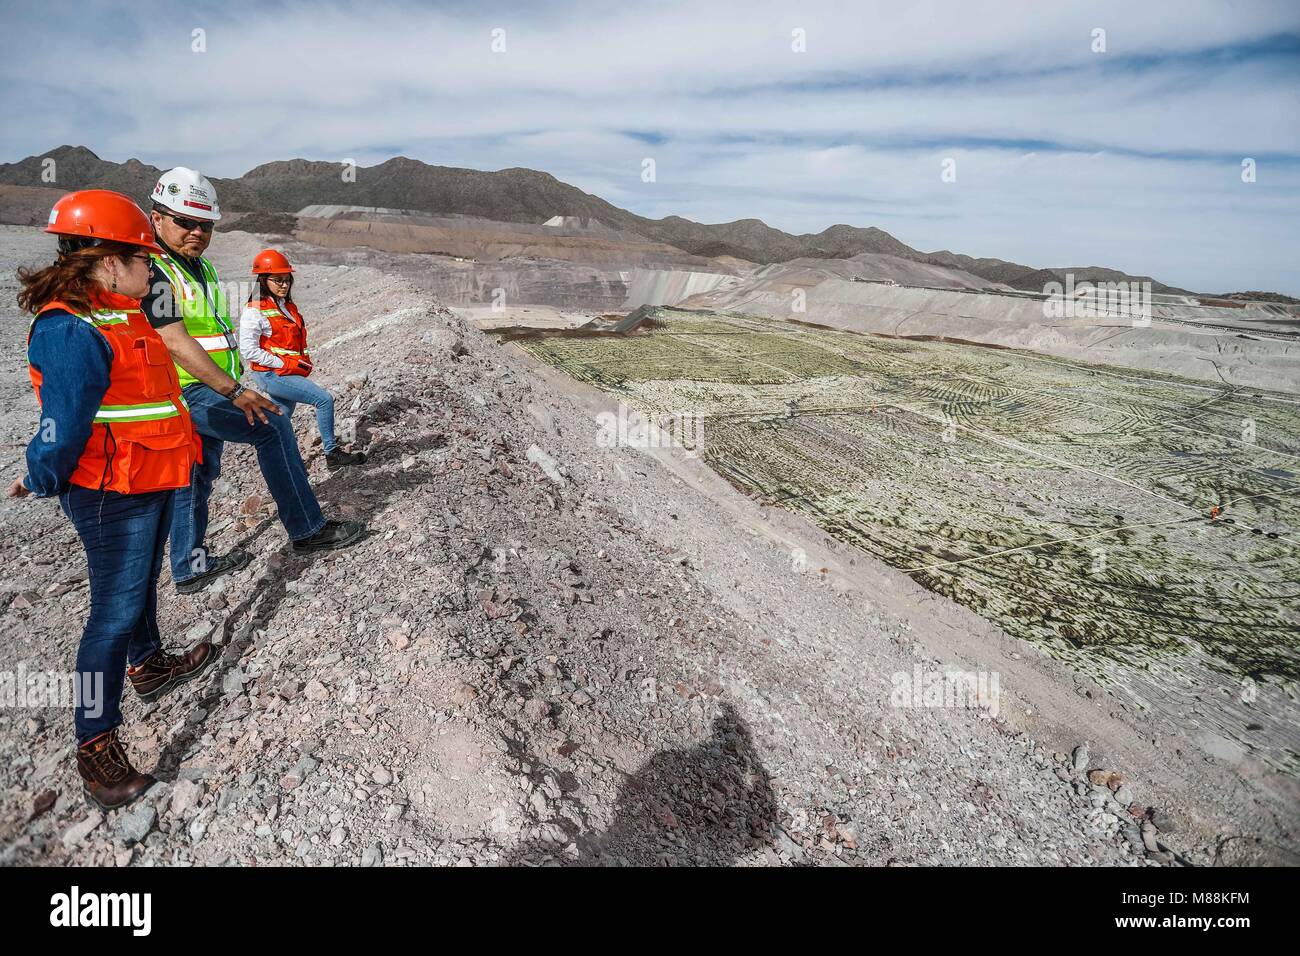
x: 188, y: 308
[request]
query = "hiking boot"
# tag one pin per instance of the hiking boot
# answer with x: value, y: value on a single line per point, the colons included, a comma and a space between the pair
x: 335, y: 534
x: 339, y: 458
x: 235, y: 560
x: 107, y: 777
x: 163, y: 671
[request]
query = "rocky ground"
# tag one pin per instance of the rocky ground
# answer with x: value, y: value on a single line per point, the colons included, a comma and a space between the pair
x: 546, y: 651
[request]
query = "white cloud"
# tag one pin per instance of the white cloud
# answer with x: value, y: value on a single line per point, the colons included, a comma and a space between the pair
x: 850, y: 131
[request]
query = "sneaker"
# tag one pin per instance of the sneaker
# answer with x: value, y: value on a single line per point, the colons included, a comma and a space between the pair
x: 235, y: 560
x: 339, y: 458
x: 163, y: 671
x: 107, y: 777
x: 335, y: 535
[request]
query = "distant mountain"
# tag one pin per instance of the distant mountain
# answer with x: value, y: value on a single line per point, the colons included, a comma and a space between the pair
x: 274, y: 191
x: 1031, y: 279
x: 1275, y: 297
x: 76, y: 167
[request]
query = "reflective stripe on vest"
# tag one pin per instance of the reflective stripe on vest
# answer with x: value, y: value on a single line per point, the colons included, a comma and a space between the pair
x: 278, y: 314
x: 105, y: 317
x: 206, y: 317
x: 287, y: 335
x: 142, y: 438
x: 143, y: 412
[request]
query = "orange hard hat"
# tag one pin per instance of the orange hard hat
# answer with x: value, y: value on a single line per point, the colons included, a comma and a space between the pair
x: 103, y: 215
x: 271, y: 262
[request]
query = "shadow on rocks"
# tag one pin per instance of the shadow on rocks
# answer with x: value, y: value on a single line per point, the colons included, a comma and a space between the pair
x: 706, y: 805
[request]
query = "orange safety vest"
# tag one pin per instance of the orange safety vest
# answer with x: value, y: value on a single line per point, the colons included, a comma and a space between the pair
x: 288, y: 332
x: 142, y: 438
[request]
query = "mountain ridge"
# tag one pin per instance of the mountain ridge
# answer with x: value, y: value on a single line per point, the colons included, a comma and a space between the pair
x: 518, y: 194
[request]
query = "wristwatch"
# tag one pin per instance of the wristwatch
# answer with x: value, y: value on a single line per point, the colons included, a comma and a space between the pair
x: 240, y: 389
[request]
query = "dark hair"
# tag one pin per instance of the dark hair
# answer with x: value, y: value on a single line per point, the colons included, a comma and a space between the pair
x: 70, y: 278
x: 264, y: 291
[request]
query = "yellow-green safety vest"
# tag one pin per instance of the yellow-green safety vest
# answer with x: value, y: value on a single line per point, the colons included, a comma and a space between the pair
x: 206, y: 316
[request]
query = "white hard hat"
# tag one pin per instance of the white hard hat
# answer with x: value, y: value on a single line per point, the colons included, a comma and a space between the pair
x: 187, y: 192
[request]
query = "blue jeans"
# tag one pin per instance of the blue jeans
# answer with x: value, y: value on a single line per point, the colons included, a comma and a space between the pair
x: 289, y: 390
x: 219, y: 421
x: 124, y: 537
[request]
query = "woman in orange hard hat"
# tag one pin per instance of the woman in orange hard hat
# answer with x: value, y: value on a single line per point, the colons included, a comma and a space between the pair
x: 273, y: 342
x: 114, y: 441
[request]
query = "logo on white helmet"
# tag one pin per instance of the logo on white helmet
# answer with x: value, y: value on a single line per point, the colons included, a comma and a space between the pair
x: 198, y: 198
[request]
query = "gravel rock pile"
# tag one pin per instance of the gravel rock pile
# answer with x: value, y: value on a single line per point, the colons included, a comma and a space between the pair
x: 519, y: 665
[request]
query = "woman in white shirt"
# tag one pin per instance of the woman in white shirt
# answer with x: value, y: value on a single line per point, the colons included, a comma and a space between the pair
x: 273, y: 343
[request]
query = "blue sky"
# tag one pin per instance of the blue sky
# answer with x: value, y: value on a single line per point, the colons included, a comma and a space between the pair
x: 1064, y: 155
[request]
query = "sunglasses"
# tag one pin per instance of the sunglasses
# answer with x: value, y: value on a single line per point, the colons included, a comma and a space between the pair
x: 279, y: 279
x: 189, y: 225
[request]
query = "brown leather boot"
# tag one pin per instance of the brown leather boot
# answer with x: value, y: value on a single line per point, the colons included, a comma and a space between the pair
x: 163, y: 671
x: 107, y: 776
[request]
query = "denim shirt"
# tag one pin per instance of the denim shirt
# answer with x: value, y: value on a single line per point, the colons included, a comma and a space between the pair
x: 75, y: 363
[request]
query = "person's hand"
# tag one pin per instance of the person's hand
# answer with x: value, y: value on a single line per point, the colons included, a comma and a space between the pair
x: 255, y: 403
x: 17, y: 489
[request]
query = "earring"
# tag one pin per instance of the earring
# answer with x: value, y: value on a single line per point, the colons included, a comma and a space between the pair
x: 114, y: 286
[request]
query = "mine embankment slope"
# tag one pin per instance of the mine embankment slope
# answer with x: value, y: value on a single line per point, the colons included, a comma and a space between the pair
x: 552, y: 650
x: 1188, y: 341
x: 491, y: 241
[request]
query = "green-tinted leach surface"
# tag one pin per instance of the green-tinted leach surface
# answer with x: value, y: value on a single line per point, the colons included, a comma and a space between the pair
x: 1069, y: 503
